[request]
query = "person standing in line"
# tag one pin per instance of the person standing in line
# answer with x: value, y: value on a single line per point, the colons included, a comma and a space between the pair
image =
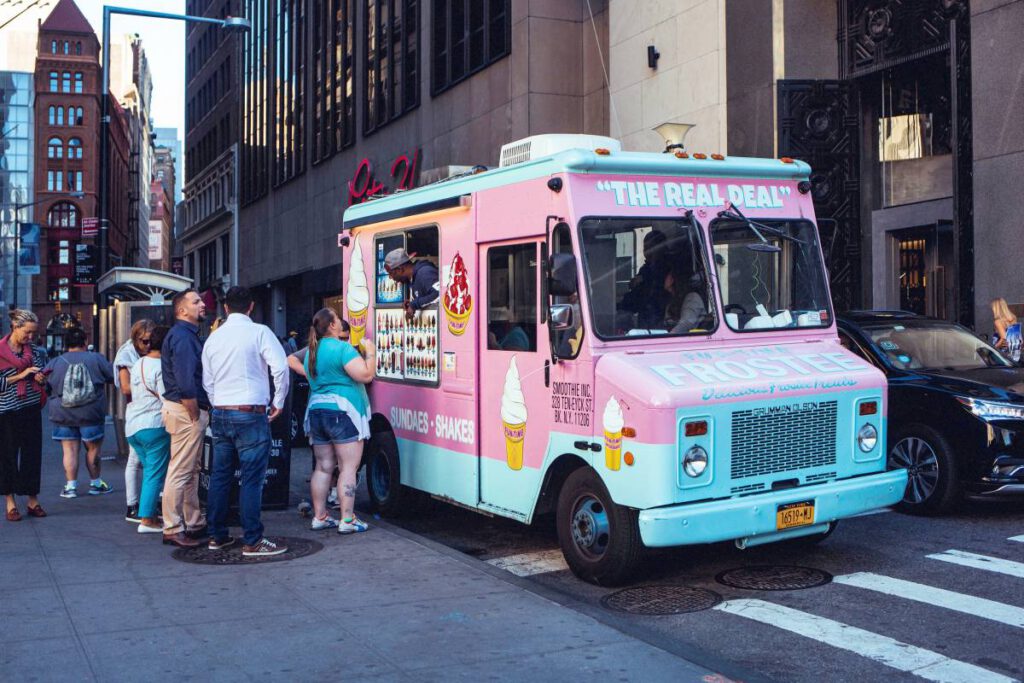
x: 126, y: 356
x: 290, y: 345
x: 337, y: 416
x: 144, y: 428
x: 236, y: 360
x: 21, y: 407
x: 78, y: 409
x: 186, y: 415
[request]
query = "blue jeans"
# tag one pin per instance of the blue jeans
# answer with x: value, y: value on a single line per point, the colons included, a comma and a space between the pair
x: 153, y: 446
x: 244, y: 437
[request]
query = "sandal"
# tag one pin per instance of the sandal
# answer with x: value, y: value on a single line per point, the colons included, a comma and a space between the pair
x: 35, y: 511
x: 13, y: 515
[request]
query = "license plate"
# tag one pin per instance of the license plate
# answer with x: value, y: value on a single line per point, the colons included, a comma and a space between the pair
x: 794, y: 514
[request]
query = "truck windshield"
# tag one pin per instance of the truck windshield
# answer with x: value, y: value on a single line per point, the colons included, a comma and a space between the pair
x: 646, y: 277
x: 770, y: 274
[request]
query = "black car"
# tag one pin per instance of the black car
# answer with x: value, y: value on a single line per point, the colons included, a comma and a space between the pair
x: 956, y: 407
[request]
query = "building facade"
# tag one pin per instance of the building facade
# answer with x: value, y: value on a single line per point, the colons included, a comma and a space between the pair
x: 67, y: 124
x: 342, y: 99
x: 168, y: 137
x: 17, y: 162
x: 161, y: 223
x: 211, y: 134
x: 915, y: 171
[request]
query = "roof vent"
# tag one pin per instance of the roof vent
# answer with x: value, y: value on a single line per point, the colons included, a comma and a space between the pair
x: 539, y: 146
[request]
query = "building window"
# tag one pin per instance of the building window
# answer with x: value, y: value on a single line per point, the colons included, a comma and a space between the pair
x: 63, y: 215
x: 207, y: 265
x: 66, y: 87
x: 51, y: 115
x: 54, y: 77
x: 468, y: 35
x: 255, y: 150
x: 333, y: 73
x: 392, y: 59
x: 512, y: 298
x: 75, y: 148
x: 225, y: 255
x: 64, y: 253
x: 78, y: 81
x: 289, y: 112
x: 53, y: 47
x: 54, y: 181
x: 67, y: 48
x: 78, y: 48
x: 74, y: 116
x: 54, y: 147
x: 74, y: 181
x: 62, y: 292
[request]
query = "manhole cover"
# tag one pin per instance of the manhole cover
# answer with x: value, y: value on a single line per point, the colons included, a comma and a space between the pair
x: 654, y: 600
x: 297, y: 547
x: 774, y: 578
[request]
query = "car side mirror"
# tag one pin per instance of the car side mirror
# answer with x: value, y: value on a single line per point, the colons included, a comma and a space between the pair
x: 562, y: 281
x: 561, y: 316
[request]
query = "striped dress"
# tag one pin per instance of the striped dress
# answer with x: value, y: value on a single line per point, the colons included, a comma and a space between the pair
x: 9, y: 399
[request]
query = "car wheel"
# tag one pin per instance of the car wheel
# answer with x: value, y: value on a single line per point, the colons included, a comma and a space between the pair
x: 600, y: 540
x: 932, y: 482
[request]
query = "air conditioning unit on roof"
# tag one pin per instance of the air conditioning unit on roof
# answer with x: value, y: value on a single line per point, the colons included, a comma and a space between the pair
x: 539, y: 146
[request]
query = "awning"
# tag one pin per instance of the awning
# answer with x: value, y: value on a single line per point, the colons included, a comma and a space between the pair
x: 141, y: 284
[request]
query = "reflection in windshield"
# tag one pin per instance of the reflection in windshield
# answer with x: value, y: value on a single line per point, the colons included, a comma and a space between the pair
x: 646, y: 277
x: 935, y: 346
x: 771, y: 276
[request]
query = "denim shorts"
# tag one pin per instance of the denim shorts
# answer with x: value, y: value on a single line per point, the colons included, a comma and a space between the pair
x: 331, y: 427
x: 85, y: 433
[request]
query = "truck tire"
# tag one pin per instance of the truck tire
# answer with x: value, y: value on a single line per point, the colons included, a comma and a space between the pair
x: 383, y: 474
x: 600, y: 540
x: 933, y: 484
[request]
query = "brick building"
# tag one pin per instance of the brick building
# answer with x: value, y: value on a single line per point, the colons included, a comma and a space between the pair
x: 67, y: 120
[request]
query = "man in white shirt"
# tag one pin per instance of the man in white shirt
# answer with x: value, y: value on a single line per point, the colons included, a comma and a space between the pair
x: 236, y: 359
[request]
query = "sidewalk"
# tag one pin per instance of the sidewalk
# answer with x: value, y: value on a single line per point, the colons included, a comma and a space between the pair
x: 87, y: 598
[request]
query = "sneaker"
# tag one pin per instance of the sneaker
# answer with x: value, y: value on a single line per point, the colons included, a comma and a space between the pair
x: 326, y: 523
x: 100, y: 488
x: 332, y: 500
x: 132, y: 515
x: 69, y: 492
x: 150, y: 526
x: 264, y: 548
x: 220, y: 544
x: 355, y: 526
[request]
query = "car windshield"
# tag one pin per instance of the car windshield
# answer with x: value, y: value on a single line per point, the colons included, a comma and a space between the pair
x: 933, y: 346
x: 646, y: 277
x: 770, y: 274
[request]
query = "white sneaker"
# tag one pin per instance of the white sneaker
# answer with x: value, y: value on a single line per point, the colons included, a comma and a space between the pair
x: 325, y: 523
x: 356, y: 526
x: 69, y: 492
x: 332, y: 500
x: 146, y: 529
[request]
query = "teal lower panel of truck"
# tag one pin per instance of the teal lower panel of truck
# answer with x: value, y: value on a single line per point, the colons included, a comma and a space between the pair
x: 754, y: 516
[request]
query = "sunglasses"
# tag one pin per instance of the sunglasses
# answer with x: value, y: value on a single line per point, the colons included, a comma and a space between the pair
x: 146, y: 341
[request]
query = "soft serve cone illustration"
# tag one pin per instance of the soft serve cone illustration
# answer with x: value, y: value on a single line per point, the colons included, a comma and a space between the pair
x: 613, y: 422
x: 513, y: 416
x: 357, y: 296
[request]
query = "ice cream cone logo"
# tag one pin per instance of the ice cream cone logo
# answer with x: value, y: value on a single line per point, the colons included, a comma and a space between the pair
x: 457, y: 301
x: 613, y: 422
x: 513, y: 416
x: 357, y: 295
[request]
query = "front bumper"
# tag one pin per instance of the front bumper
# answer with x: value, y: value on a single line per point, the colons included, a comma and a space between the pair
x: 752, y: 516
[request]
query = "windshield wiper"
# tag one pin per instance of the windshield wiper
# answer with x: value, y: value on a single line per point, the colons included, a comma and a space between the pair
x: 734, y: 213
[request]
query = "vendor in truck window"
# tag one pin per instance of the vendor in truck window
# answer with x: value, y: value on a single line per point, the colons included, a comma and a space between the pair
x: 646, y: 296
x: 420, y: 275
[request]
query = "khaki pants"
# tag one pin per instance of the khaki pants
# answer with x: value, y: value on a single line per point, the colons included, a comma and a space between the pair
x: 181, y: 487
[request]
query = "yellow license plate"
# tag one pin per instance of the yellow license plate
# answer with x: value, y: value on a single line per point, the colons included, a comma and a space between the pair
x: 794, y: 514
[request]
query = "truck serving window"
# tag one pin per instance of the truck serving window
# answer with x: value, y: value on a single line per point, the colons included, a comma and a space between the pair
x: 770, y: 274
x: 646, y: 277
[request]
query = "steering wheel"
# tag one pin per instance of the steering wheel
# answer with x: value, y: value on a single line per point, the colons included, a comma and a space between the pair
x: 730, y: 308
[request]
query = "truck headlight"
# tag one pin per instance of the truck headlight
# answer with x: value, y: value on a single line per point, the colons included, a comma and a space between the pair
x: 695, y: 461
x: 867, y: 438
x: 992, y: 410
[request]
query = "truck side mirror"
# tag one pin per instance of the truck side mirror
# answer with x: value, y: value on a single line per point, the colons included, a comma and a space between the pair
x: 561, y: 316
x: 563, y: 275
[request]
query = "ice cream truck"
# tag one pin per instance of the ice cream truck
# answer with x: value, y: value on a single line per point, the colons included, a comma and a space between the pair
x: 641, y: 344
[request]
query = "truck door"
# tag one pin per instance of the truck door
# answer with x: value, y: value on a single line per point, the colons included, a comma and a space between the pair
x: 514, y: 354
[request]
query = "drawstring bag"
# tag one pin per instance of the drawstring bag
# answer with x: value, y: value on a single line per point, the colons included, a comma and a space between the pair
x: 78, y: 388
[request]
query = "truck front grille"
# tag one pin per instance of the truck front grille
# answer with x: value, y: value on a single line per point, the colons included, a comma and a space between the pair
x: 783, y: 438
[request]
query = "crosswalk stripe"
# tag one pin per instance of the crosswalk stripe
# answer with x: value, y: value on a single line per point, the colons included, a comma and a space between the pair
x: 958, y: 602
x: 1018, y: 539
x: 929, y: 665
x: 528, y: 564
x: 992, y: 564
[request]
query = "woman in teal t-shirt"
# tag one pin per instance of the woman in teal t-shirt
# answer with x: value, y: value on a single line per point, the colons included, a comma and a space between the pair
x: 337, y: 417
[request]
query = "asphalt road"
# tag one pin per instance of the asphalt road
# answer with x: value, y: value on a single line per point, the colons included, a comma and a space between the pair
x: 909, y: 599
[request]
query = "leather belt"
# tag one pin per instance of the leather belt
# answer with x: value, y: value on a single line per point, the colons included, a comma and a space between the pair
x: 243, y: 409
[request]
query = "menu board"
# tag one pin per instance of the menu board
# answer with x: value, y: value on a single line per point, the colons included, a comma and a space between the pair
x: 388, y: 291
x: 407, y: 350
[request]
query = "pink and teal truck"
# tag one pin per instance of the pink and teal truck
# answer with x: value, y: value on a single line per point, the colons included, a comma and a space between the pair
x: 641, y: 344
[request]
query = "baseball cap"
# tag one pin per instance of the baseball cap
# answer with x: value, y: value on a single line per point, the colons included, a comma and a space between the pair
x: 395, y: 258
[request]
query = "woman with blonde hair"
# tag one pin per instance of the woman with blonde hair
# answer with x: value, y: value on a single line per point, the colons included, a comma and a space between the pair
x: 1008, y: 331
x: 21, y: 407
x: 337, y: 416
